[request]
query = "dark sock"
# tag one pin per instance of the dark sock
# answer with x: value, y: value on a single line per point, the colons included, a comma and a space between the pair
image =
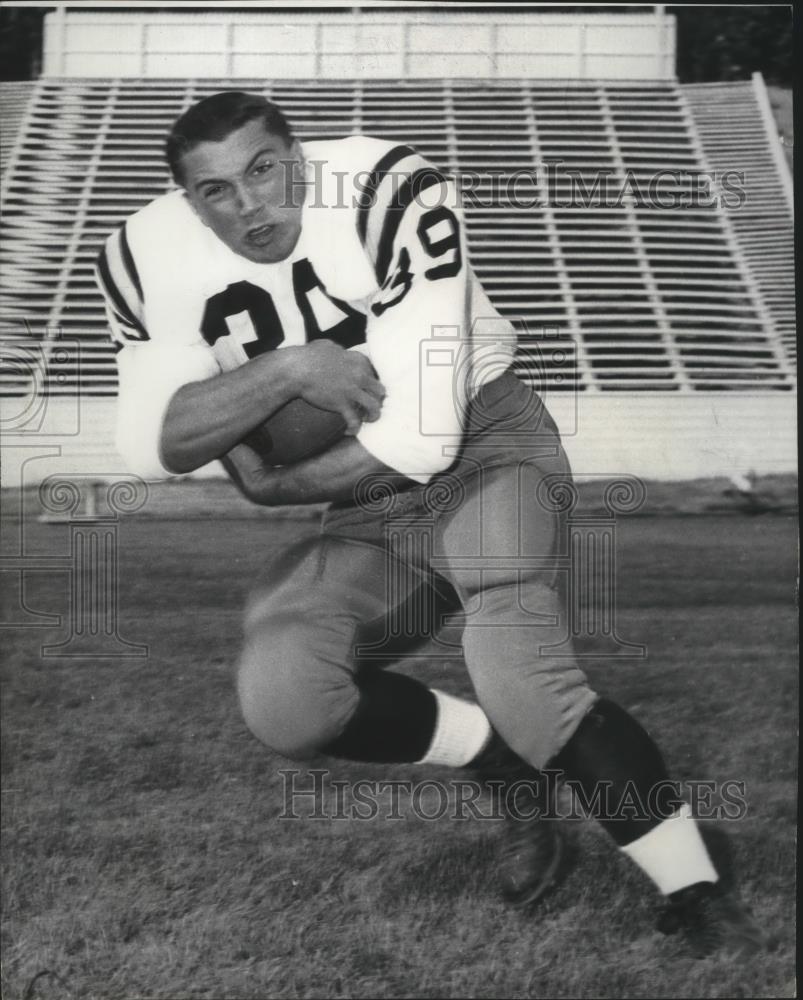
x: 522, y: 790
x: 394, y: 722
x: 496, y: 759
x: 611, y: 756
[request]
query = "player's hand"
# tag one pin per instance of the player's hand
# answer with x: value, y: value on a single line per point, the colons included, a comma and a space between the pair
x: 336, y: 379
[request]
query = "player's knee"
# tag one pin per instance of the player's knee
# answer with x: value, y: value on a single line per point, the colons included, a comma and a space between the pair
x: 290, y: 700
x: 519, y: 653
x: 543, y: 718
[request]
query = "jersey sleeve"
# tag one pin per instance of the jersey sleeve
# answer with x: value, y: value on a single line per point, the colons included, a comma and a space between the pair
x: 150, y: 371
x: 118, y: 279
x: 150, y: 375
x: 412, y: 231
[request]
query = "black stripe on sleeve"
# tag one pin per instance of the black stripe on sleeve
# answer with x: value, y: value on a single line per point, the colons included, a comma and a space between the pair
x: 418, y: 181
x: 128, y: 261
x: 114, y: 294
x: 378, y: 174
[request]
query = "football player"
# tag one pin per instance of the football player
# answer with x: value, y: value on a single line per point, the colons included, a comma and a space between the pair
x: 336, y: 271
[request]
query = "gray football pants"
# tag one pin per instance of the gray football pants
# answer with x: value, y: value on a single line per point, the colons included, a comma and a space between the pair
x: 492, y: 527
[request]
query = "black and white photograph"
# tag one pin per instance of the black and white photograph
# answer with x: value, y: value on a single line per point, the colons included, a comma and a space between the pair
x: 399, y: 540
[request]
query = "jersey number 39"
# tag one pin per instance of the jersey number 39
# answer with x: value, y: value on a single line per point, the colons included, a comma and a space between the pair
x: 439, y: 234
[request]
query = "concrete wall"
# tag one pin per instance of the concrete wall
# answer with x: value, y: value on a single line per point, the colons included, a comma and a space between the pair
x: 663, y: 436
x: 339, y: 45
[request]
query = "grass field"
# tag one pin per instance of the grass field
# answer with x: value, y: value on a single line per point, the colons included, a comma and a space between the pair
x: 144, y: 855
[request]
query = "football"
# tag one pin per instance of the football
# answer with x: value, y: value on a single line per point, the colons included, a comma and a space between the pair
x: 296, y: 431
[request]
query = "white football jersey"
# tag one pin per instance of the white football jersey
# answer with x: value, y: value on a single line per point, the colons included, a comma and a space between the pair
x: 380, y: 266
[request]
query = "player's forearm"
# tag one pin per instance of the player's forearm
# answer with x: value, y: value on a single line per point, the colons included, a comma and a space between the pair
x: 329, y: 477
x: 204, y: 420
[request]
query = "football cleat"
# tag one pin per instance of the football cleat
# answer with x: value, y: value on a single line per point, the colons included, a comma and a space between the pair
x: 711, y: 920
x: 533, y: 855
x: 531, y: 860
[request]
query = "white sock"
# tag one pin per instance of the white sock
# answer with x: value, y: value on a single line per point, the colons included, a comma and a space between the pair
x: 461, y: 730
x: 673, y: 854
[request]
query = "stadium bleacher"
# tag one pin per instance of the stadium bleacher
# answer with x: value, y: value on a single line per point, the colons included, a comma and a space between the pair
x: 616, y: 299
x: 639, y: 297
x: 731, y: 120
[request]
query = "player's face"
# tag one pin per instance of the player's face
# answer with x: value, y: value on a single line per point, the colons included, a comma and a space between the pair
x: 248, y: 188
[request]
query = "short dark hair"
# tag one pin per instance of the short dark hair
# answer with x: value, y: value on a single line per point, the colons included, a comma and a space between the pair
x: 216, y: 117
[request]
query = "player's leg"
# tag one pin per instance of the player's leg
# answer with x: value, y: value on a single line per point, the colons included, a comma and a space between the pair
x: 462, y: 735
x: 512, y: 608
x: 515, y: 643
x: 301, y: 688
x: 611, y: 752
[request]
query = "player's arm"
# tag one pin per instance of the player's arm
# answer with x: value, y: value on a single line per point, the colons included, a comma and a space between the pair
x: 177, y: 410
x: 204, y: 420
x: 328, y: 477
x: 420, y: 260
